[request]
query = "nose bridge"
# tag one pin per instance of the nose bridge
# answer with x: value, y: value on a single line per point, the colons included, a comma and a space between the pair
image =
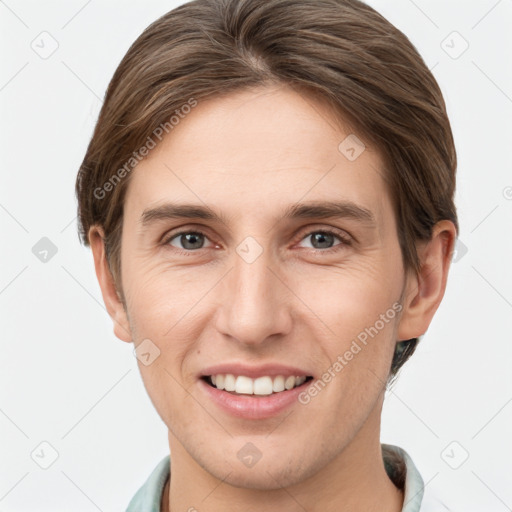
x: 254, y: 306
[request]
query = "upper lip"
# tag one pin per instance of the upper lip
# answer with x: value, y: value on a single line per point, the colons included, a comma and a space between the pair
x: 270, y: 369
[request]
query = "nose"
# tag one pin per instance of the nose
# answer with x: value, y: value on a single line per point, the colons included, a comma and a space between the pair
x: 255, y: 302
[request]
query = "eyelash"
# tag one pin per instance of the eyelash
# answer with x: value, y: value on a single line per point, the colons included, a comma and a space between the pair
x: 345, y: 241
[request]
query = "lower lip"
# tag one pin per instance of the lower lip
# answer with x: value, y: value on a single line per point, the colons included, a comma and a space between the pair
x: 254, y: 407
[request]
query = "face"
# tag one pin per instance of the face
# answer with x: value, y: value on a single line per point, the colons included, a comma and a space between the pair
x: 259, y: 282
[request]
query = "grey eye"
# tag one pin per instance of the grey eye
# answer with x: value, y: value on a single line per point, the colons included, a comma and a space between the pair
x: 190, y: 240
x: 321, y: 240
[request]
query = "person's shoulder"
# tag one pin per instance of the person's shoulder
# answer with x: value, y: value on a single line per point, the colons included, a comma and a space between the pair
x: 149, y: 495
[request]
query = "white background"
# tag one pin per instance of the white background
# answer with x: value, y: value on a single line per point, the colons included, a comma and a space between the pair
x: 65, y: 379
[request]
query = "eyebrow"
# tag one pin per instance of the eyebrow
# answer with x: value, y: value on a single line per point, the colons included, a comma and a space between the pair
x: 308, y: 210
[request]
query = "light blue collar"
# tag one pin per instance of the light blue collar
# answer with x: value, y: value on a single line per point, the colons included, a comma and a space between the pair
x: 148, y: 498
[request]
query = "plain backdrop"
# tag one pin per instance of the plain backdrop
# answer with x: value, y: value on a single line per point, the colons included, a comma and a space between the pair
x: 71, y: 391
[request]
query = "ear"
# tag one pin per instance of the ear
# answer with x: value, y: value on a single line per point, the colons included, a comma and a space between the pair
x: 109, y: 292
x: 423, y: 293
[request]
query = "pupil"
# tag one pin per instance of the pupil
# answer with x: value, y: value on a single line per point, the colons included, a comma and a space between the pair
x: 322, y: 238
x: 190, y: 239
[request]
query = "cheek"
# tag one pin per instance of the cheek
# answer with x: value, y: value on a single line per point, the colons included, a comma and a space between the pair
x: 353, y: 313
x: 161, y: 303
x: 161, y: 311
x: 348, y: 298
x: 160, y: 295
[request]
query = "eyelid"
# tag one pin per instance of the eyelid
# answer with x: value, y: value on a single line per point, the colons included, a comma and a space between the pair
x: 342, y: 235
x: 184, y: 228
x: 170, y: 235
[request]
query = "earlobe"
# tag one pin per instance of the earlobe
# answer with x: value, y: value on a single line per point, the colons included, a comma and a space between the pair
x: 113, y: 303
x: 424, y: 292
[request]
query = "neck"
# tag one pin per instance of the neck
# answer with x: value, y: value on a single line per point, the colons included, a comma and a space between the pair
x: 354, y: 480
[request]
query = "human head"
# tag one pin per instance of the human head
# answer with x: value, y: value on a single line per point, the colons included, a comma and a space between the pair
x: 341, y: 55
x: 367, y: 69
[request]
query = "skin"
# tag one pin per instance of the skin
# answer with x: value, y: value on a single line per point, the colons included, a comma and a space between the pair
x: 249, y: 155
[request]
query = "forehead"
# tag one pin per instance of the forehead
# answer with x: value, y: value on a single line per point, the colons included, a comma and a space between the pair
x: 267, y: 147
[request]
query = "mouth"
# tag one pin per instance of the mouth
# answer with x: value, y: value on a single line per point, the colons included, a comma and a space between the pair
x: 261, y: 386
x: 254, y: 392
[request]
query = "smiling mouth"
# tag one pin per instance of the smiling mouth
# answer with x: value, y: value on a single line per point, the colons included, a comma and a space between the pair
x: 261, y: 386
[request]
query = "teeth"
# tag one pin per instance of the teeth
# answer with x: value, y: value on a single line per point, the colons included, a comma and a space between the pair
x: 278, y: 384
x: 289, y: 383
x: 300, y: 380
x: 261, y: 386
x: 244, y: 385
x: 219, y: 381
x: 229, y: 383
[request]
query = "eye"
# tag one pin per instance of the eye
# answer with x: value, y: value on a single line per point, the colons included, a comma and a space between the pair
x: 187, y: 240
x: 322, y: 240
x: 325, y: 239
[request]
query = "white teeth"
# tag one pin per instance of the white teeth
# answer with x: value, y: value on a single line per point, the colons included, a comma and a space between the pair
x: 300, y: 380
x: 260, y: 386
x: 244, y: 385
x: 278, y: 384
x: 263, y: 386
x: 289, y: 383
x: 219, y: 381
x: 229, y: 382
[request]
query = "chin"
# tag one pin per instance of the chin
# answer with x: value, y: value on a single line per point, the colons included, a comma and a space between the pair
x: 276, y: 472
x: 264, y: 478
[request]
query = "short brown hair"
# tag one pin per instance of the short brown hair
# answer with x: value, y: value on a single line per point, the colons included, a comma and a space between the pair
x: 340, y: 50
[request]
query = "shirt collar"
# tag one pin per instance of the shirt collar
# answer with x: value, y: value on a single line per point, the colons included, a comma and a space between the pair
x: 398, y: 464
x: 404, y: 474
